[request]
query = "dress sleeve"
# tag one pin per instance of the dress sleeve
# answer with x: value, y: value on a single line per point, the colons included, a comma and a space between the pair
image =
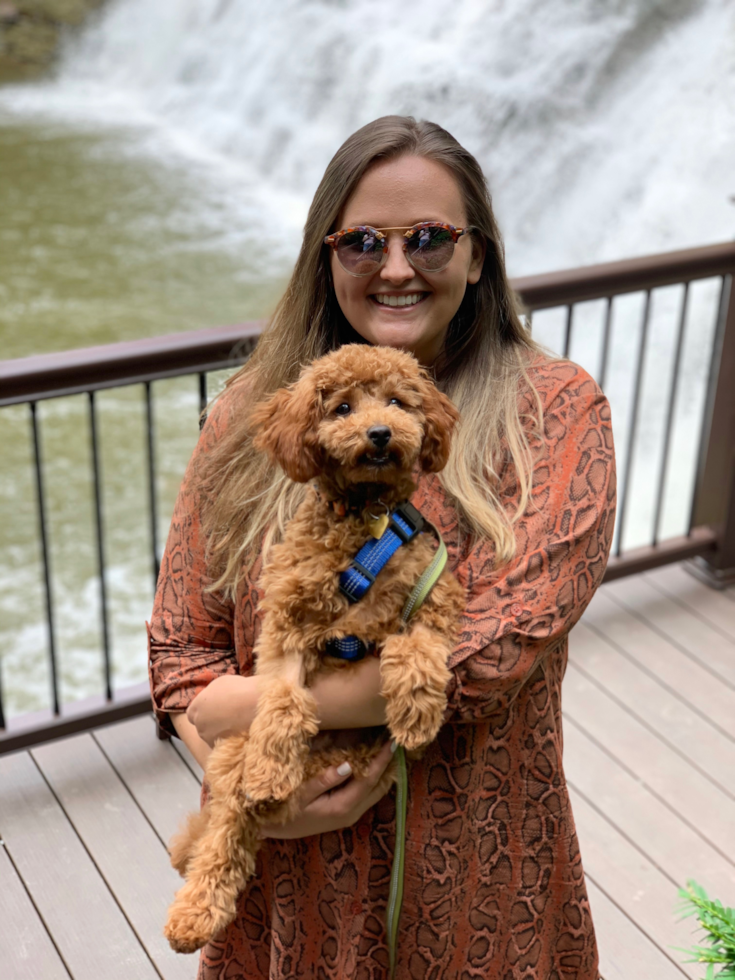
x: 190, y: 635
x: 517, y: 615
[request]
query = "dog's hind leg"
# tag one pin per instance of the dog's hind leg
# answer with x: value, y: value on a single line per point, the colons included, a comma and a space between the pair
x: 182, y: 845
x: 285, y: 723
x: 218, y: 849
x: 221, y: 865
x: 414, y: 674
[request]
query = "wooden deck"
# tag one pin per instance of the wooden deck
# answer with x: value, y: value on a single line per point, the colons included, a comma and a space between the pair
x: 649, y: 707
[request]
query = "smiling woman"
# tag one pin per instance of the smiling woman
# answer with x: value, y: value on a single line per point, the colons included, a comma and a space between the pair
x: 494, y: 885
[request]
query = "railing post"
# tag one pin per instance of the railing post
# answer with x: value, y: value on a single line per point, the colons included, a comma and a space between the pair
x: 714, y: 492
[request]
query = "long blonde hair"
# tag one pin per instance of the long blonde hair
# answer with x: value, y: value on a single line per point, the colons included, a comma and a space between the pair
x: 482, y: 368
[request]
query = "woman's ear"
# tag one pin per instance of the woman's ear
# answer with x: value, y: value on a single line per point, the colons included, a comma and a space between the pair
x: 440, y: 418
x: 477, y: 261
x: 284, y: 426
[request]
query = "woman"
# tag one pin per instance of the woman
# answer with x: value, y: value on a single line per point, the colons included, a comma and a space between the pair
x: 493, y: 883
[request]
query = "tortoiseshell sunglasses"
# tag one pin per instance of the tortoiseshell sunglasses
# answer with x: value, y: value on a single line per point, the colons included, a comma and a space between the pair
x: 429, y: 246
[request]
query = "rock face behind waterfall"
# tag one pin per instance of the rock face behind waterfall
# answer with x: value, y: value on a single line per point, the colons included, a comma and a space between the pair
x: 30, y: 31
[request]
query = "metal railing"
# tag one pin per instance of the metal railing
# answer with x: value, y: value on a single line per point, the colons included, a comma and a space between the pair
x: 710, y: 535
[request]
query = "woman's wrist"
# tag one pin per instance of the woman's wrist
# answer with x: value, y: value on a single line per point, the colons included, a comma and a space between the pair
x: 350, y: 698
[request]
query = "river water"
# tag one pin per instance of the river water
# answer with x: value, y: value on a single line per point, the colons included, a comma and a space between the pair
x: 160, y: 180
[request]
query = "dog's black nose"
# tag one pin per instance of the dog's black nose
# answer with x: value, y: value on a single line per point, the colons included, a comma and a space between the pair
x: 379, y: 435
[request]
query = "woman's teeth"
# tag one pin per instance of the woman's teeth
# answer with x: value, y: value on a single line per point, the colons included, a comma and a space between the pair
x: 409, y: 300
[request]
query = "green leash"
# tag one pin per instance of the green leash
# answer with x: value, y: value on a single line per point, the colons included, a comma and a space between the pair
x: 395, y: 894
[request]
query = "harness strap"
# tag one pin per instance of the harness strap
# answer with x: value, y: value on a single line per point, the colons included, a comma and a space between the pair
x: 395, y: 894
x: 403, y: 525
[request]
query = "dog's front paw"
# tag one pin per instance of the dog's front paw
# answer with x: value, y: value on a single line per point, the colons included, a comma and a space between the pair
x: 268, y: 781
x: 191, y: 926
x: 413, y: 727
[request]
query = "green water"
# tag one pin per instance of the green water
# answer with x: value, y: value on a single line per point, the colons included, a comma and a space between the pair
x: 99, y: 243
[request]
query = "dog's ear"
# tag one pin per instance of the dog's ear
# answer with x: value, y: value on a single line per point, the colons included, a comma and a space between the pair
x: 440, y: 417
x: 284, y: 426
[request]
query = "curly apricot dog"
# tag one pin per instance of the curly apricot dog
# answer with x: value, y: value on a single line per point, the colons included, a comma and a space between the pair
x: 355, y: 425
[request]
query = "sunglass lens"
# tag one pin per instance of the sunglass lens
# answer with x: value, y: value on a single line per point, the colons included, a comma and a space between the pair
x: 430, y: 248
x: 360, y: 251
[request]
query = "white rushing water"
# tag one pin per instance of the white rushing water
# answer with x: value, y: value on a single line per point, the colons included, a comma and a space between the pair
x: 606, y: 129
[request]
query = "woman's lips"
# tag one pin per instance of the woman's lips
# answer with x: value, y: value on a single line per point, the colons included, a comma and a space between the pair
x: 399, y: 302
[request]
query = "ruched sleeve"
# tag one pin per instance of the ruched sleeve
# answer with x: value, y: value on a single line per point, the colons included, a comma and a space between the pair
x: 518, y: 615
x: 190, y: 635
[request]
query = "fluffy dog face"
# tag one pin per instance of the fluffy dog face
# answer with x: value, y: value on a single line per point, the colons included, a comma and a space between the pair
x: 362, y: 414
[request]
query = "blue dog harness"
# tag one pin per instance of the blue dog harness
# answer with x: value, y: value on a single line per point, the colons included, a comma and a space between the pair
x: 403, y: 525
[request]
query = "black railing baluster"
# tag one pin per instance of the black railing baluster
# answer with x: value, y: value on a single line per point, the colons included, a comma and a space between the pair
x: 568, y: 330
x: 153, y: 510
x: 2, y: 701
x: 633, y: 423
x: 46, y: 559
x: 670, y: 416
x: 100, y: 544
x: 202, y: 397
x: 602, y: 373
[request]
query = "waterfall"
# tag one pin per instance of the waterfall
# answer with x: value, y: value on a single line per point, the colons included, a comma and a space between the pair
x: 606, y: 128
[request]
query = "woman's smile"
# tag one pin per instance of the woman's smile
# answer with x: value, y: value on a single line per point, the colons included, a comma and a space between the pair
x: 399, y: 302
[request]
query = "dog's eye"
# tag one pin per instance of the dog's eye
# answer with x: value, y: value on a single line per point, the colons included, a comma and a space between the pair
x: 343, y: 409
x: 396, y: 401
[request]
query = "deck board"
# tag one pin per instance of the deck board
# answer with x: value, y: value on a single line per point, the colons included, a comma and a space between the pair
x: 77, y: 907
x: 632, y: 881
x: 26, y: 949
x: 656, y: 656
x: 707, y: 645
x: 189, y: 759
x: 121, y: 841
x: 666, y: 714
x: 664, y: 772
x: 676, y: 849
x: 161, y: 784
x: 622, y: 943
x: 713, y: 606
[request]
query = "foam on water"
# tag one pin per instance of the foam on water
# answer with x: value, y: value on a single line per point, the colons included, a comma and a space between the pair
x: 606, y: 129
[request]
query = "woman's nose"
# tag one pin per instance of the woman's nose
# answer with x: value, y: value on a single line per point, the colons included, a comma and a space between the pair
x: 396, y: 268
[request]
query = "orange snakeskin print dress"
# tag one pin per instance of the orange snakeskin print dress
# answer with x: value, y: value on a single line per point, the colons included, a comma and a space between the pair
x: 494, y: 887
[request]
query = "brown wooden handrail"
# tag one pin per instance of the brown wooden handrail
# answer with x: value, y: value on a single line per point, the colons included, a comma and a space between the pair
x: 111, y: 365
x: 69, y: 372
x: 628, y: 276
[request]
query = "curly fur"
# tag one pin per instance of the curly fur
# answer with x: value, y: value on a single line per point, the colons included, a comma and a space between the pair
x: 254, y: 777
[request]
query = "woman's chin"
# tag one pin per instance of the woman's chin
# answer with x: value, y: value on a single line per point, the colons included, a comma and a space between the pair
x: 407, y: 336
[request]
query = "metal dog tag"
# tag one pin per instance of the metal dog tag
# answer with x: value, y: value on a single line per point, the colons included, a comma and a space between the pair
x: 378, y: 526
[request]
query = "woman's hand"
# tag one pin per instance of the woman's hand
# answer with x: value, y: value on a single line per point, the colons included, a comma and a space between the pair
x: 329, y: 802
x: 225, y: 707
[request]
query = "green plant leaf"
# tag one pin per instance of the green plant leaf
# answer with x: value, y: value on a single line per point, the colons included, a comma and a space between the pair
x: 718, y: 924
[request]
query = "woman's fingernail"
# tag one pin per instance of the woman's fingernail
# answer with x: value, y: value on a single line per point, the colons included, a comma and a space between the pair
x: 344, y: 770
x: 393, y: 746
